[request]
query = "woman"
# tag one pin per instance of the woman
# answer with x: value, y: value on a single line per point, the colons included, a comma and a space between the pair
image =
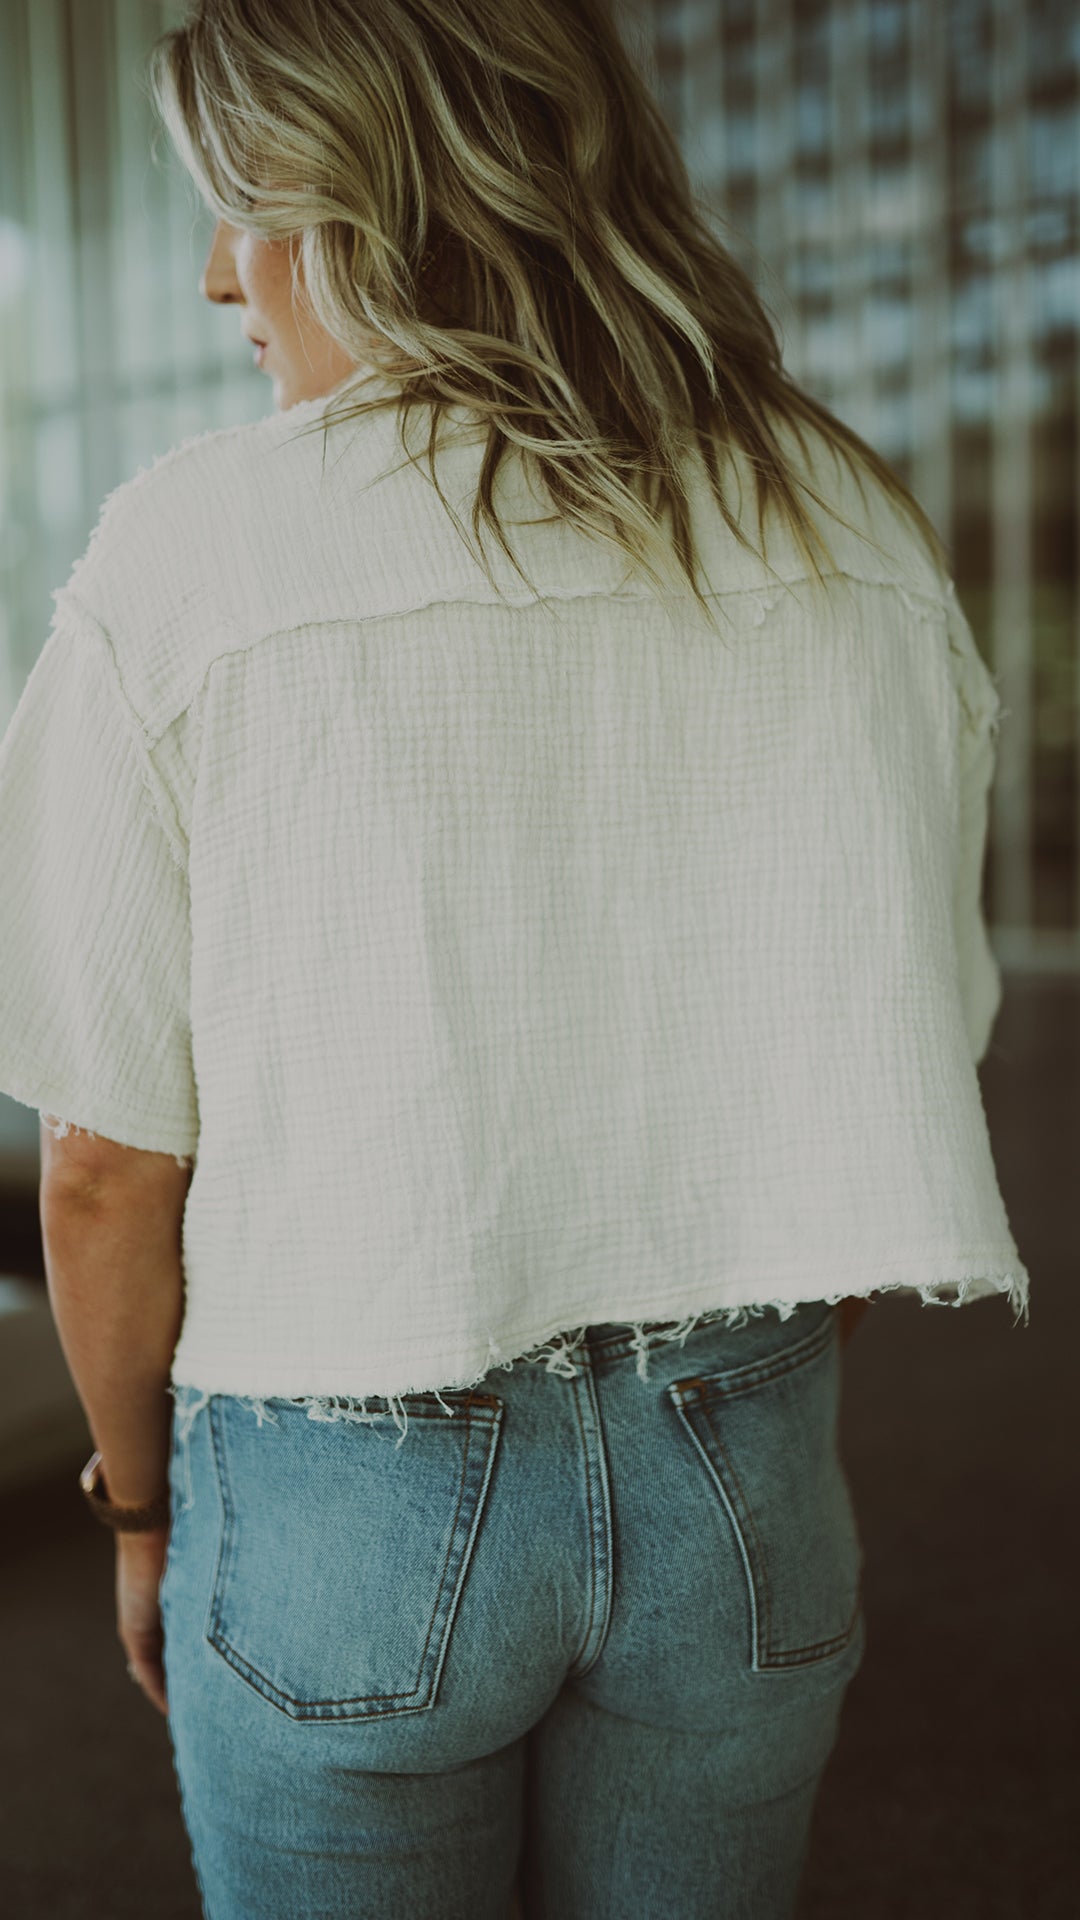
x: 497, y: 1018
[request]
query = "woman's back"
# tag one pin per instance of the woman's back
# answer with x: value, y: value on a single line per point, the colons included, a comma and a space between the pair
x: 514, y: 963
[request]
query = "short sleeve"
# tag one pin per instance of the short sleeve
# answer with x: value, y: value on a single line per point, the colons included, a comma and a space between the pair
x: 94, y: 905
x: 979, y: 717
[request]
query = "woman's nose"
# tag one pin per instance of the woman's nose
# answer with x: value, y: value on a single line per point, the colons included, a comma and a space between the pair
x: 218, y: 278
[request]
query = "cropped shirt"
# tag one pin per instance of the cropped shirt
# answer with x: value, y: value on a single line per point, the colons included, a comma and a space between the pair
x: 505, y: 958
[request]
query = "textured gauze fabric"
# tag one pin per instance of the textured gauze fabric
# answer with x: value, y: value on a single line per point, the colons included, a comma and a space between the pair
x: 504, y: 960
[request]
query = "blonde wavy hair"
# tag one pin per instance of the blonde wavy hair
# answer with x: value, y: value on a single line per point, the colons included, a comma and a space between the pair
x: 493, y: 213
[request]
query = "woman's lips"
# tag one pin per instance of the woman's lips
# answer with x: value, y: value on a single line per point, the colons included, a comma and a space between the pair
x: 260, y: 349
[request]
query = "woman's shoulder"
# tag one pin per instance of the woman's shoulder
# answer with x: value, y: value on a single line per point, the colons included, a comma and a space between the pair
x: 863, y: 523
x: 165, y: 506
x: 179, y: 545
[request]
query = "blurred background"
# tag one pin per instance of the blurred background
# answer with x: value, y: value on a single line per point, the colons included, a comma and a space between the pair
x: 901, y: 179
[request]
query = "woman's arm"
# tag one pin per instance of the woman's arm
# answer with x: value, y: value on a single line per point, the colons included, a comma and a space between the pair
x: 111, y: 1225
x: 112, y: 1232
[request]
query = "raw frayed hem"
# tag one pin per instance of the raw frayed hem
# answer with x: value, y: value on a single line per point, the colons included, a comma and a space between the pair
x: 61, y: 1128
x: 556, y: 1354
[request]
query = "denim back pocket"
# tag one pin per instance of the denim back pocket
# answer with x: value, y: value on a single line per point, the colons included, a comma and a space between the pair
x: 766, y: 1433
x: 342, y: 1556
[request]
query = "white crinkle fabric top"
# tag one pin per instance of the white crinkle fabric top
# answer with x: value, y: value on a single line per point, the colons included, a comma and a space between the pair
x: 508, y: 964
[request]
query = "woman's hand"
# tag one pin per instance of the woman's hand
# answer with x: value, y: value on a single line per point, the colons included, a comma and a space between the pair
x: 140, y: 1563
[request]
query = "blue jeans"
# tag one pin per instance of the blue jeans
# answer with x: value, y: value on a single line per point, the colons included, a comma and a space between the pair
x: 585, y: 1633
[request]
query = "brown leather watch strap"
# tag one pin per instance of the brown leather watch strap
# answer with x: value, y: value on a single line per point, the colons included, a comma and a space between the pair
x: 144, y: 1519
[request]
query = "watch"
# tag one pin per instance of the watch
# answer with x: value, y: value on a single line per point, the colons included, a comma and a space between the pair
x: 154, y: 1513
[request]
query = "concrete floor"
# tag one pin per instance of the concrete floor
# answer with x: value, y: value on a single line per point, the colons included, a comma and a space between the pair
x: 953, y: 1793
